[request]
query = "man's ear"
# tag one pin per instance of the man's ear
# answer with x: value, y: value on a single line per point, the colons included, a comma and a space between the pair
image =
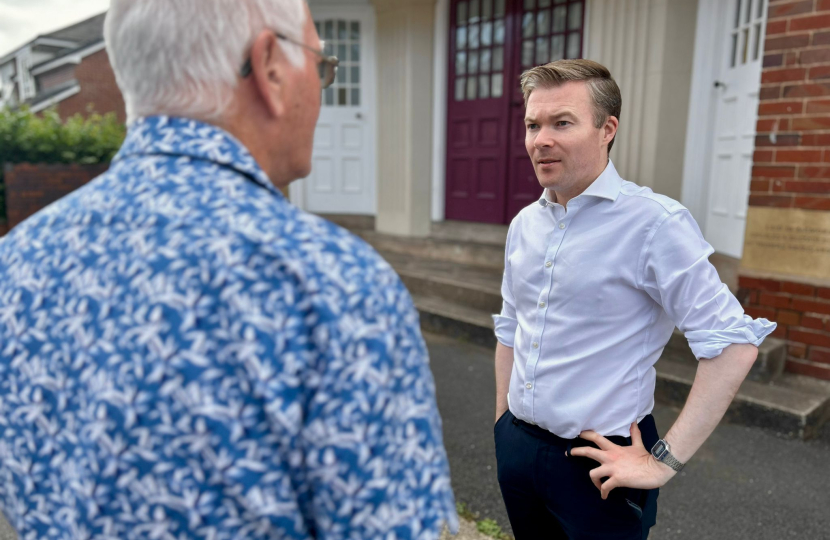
x: 609, y: 130
x: 268, y: 72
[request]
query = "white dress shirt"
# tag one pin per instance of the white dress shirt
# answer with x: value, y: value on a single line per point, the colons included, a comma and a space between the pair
x: 591, y: 296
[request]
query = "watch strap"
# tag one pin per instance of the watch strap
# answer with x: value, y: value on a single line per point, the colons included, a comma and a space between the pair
x: 672, y: 462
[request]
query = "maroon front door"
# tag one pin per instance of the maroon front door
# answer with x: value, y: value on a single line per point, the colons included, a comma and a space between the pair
x: 489, y: 175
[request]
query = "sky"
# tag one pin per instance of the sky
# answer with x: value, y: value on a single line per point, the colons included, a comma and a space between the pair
x: 22, y: 20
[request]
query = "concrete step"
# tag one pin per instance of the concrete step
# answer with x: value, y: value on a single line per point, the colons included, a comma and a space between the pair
x: 482, y: 255
x: 791, y: 405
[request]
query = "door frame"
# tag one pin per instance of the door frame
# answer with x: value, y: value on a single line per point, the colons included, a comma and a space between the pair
x: 346, y: 8
x: 700, y: 125
x: 441, y: 58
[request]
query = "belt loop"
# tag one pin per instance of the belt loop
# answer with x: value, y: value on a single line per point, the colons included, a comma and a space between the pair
x: 568, y: 451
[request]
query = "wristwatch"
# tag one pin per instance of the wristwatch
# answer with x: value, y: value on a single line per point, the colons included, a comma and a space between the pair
x: 662, y: 452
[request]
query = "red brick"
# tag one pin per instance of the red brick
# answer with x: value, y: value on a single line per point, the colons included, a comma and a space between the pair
x: 798, y: 156
x: 753, y: 297
x: 810, y: 22
x: 786, y: 43
x: 789, y: 9
x: 815, y: 323
x: 784, y: 124
x: 759, y: 186
x: 811, y: 203
x: 814, y: 56
x: 775, y: 300
x: 773, y: 60
x: 800, y: 186
x: 823, y: 292
x: 773, y: 171
x: 780, y: 332
x: 821, y: 38
x: 820, y: 339
x: 815, y: 139
x: 818, y: 106
x: 811, y: 306
x: 762, y: 156
x: 796, y: 350
x: 807, y: 171
x: 791, y: 58
x: 807, y: 90
x: 98, y: 87
x: 811, y: 122
x: 759, y: 312
x: 810, y: 369
x: 819, y: 72
x: 818, y: 354
x: 778, y: 139
x: 790, y: 318
x: 776, y: 27
x: 798, y: 288
x: 765, y: 125
x: 780, y: 107
x: 775, y: 201
x: 823, y: 5
x: 771, y: 285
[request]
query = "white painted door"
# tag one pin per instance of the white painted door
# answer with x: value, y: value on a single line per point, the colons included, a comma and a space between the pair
x: 737, y: 88
x: 342, y: 179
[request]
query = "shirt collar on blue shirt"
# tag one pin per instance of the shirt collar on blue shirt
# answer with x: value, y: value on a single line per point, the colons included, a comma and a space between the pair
x: 606, y: 186
x: 175, y: 136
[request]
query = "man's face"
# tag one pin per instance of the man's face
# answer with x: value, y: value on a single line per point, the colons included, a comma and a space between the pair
x: 303, y: 106
x: 566, y: 148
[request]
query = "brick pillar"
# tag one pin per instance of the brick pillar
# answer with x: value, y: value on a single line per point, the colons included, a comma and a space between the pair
x: 791, y: 170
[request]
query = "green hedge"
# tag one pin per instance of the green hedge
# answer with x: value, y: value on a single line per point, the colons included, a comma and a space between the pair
x: 43, y: 138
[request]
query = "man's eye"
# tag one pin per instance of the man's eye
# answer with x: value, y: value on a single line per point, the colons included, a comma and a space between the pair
x: 562, y: 123
x: 532, y: 126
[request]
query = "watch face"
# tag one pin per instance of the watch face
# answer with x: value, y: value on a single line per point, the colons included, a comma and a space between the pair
x: 659, y: 449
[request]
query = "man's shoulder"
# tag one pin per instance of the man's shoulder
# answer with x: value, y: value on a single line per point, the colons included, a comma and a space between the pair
x: 648, y: 202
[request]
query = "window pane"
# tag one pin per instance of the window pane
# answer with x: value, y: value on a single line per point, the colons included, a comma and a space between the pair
x: 559, y: 17
x: 499, y: 11
x: 543, y: 22
x: 542, y: 50
x: 471, y: 87
x: 485, y: 60
x: 355, y: 31
x: 474, y: 11
x: 527, y: 53
x: 486, y: 34
x: 530, y: 4
x: 461, y: 14
x: 341, y: 96
x: 755, y: 47
x: 341, y: 53
x: 329, y: 95
x: 472, y: 63
x: 560, y: 1
x: 461, y: 38
x: 355, y: 53
x: 356, y: 74
x: 575, y: 17
x: 460, y: 63
x: 355, y: 96
x: 474, y: 42
x: 527, y: 25
x: 744, y: 44
x: 544, y: 3
x: 317, y: 27
x: 329, y: 33
x: 748, y: 12
x: 498, y: 85
x: 498, y: 32
x: 341, y: 75
x: 486, y: 9
x: 459, y: 89
x: 483, y: 86
x: 737, y: 13
x: 574, y: 42
x: 557, y: 48
x: 329, y: 49
x: 734, y: 50
x: 760, y: 4
x: 498, y: 59
x: 341, y: 30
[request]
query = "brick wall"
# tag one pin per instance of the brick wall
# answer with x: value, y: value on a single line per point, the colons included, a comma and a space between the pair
x: 792, y: 170
x: 98, y: 87
x: 32, y: 187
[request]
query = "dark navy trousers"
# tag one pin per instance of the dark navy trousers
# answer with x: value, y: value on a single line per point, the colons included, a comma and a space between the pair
x: 550, y: 495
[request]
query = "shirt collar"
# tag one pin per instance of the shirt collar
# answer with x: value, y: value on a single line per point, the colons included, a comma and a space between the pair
x: 175, y: 136
x: 606, y: 186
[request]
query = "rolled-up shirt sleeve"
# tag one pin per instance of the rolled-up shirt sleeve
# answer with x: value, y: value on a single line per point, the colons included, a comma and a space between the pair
x: 677, y: 274
x: 505, y: 323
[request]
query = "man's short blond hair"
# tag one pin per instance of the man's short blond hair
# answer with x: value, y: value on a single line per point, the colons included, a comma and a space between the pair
x: 603, y: 89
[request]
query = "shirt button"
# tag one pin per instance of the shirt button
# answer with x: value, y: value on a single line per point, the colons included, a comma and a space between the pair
x: 541, y: 304
x: 561, y: 225
x: 548, y: 264
x: 535, y: 345
x: 528, y: 386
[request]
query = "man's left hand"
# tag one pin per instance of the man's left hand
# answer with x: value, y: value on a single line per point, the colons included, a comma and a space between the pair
x: 623, y: 466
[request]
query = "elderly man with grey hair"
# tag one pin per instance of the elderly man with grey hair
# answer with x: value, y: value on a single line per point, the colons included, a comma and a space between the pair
x: 183, y: 354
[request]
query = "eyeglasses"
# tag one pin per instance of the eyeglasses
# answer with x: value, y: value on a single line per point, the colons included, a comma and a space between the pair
x: 327, y: 65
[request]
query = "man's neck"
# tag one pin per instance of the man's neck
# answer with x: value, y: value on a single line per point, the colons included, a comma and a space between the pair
x: 565, y: 196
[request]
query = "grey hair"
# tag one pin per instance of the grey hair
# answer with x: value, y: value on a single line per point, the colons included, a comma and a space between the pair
x: 605, y: 94
x: 183, y: 57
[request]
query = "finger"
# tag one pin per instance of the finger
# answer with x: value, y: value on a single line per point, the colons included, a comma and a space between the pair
x: 607, y: 486
x: 636, y: 436
x: 589, y: 452
x: 597, y: 475
x: 597, y: 439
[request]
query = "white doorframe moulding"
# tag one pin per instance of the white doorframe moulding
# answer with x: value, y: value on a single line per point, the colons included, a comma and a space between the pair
x: 441, y: 51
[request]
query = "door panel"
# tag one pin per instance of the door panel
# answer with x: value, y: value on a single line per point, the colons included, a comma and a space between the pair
x: 734, y: 136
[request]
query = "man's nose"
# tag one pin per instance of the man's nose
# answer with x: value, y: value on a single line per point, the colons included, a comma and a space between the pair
x: 544, y: 139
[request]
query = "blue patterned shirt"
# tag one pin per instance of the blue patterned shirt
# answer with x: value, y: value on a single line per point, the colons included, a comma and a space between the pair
x: 184, y: 354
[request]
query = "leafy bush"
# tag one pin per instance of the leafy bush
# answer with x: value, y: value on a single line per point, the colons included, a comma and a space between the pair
x: 29, y: 138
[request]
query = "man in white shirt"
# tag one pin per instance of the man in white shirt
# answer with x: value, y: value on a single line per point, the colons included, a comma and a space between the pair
x: 597, y: 275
